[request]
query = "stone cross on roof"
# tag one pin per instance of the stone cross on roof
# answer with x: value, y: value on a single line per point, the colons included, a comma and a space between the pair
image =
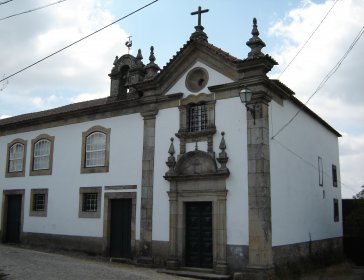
x: 199, y: 12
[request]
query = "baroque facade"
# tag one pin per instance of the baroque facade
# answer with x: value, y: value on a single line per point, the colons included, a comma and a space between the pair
x: 172, y: 169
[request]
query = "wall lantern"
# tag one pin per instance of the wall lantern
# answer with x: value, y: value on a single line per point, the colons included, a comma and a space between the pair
x: 245, y: 97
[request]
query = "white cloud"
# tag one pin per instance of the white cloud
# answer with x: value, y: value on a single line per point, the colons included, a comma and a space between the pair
x: 87, y: 96
x: 4, y: 116
x: 82, y: 67
x: 340, y: 102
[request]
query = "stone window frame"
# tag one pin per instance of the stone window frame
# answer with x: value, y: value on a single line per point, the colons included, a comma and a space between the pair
x: 88, y: 214
x: 9, y: 174
x: 184, y: 134
x: 38, y: 213
x: 95, y: 169
x: 336, y: 210
x: 41, y: 172
x: 334, y: 175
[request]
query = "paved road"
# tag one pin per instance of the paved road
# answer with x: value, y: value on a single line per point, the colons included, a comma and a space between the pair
x: 18, y: 263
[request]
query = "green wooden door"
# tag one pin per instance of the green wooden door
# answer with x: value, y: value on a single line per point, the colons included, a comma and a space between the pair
x: 120, y: 228
x: 199, y: 234
x: 13, y: 219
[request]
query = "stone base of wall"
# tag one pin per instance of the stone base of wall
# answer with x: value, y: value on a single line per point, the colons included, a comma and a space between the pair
x: 237, y: 257
x: 89, y: 245
x: 160, y: 253
x: 313, y: 249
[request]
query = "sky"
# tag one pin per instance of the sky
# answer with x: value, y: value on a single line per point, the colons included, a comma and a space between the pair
x: 79, y: 73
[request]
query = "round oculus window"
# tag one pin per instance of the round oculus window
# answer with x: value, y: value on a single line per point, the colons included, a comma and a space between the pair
x: 197, y: 79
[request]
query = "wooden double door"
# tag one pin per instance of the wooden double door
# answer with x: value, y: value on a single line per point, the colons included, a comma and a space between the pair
x: 120, y: 228
x: 199, y: 239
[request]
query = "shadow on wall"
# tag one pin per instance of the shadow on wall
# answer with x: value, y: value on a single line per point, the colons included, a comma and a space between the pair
x: 353, y: 228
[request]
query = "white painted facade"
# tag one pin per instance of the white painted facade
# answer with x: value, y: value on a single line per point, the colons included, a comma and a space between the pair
x: 301, y: 210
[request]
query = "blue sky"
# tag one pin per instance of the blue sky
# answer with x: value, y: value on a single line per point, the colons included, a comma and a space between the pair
x: 80, y: 72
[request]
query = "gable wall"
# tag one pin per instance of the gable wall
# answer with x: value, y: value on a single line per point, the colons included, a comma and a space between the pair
x: 215, y: 78
x: 300, y: 211
x: 126, y: 143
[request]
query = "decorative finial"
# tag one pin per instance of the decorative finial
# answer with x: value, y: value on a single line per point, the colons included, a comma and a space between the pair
x: 151, y: 68
x: 139, y: 55
x: 151, y: 56
x: 129, y: 43
x: 222, y: 145
x: 171, y: 162
x: 199, y: 34
x: 223, y: 158
x: 171, y: 150
x: 255, y: 43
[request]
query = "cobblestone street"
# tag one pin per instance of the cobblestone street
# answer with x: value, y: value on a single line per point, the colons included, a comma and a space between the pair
x: 18, y: 263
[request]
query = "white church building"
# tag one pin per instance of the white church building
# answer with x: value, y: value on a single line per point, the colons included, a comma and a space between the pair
x: 178, y: 167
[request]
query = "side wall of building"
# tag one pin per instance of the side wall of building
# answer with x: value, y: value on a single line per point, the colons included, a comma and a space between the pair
x: 302, y: 209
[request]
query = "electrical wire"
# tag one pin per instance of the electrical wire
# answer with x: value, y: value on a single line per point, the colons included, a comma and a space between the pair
x: 303, y: 46
x: 83, y: 38
x: 325, y: 79
x: 4, y: 2
x: 32, y: 10
x: 311, y: 164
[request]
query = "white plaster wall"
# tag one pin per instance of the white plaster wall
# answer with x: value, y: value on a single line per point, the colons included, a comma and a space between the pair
x: 126, y: 144
x: 230, y: 117
x: 301, y: 209
x: 215, y: 78
x: 167, y: 124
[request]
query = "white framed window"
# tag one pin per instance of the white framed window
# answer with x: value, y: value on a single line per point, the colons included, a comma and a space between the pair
x: 42, y: 150
x: 16, y: 154
x: 95, y: 149
x: 90, y: 202
x: 38, y: 202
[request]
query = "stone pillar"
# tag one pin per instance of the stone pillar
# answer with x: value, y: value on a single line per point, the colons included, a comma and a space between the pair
x: 220, y: 216
x: 259, y: 190
x: 173, y: 261
x: 145, y: 246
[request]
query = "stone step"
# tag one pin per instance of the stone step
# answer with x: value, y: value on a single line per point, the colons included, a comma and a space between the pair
x: 195, y: 273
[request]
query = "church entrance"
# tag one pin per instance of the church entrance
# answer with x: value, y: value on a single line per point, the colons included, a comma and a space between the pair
x: 13, y: 218
x: 120, y: 228
x: 199, y: 239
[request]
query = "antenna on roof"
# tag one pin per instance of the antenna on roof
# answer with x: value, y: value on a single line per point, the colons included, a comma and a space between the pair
x: 129, y: 43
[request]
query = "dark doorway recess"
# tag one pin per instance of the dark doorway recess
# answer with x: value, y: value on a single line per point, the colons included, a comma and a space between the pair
x: 199, y: 234
x: 13, y: 218
x: 120, y: 228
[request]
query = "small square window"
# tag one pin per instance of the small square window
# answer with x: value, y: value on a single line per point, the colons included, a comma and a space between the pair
x: 38, y: 202
x: 334, y: 176
x: 90, y: 202
x: 336, y: 210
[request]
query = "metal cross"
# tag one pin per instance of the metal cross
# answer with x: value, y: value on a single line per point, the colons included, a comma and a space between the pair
x: 199, y: 12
